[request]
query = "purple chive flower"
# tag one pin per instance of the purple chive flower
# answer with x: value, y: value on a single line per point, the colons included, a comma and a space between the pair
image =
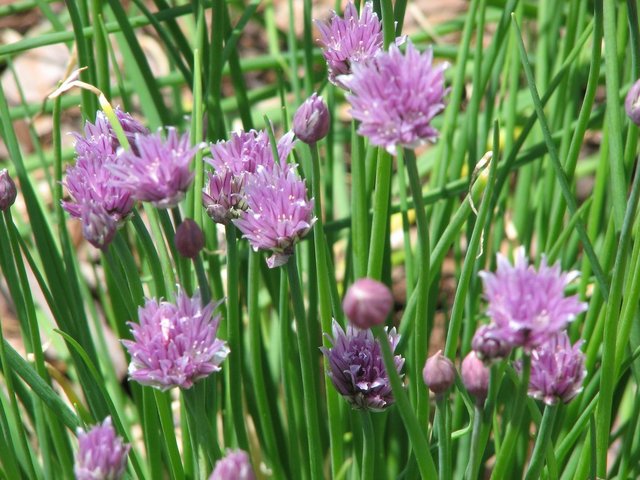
x: 223, y: 196
x: 175, y: 344
x: 8, y: 191
x: 395, y: 97
x: 632, y: 103
x: 528, y: 306
x: 439, y: 373
x: 350, y: 40
x: 91, y: 184
x: 475, y: 376
x: 102, y: 455
x: 311, y: 120
x: 189, y: 239
x: 489, y: 344
x: 235, y: 465
x: 279, y: 213
x: 356, y: 367
x: 557, y: 370
x: 159, y: 171
x: 367, y: 303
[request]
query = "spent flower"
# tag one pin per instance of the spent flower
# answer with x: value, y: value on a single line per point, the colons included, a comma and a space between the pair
x: 528, y: 306
x: 102, y: 455
x: 357, y: 369
x: 235, y: 465
x: 395, y: 97
x: 175, y: 344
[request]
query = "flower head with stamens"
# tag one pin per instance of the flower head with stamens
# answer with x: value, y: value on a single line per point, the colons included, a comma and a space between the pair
x: 557, y: 370
x: 223, y: 196
x: 349, y: 40
x: 175, y: 344
x: 357, y: 369
x: 279, y: 212
x: 528, y: 306
x: 395, y: 97
x: 159, y: 172
x: 102, y: 455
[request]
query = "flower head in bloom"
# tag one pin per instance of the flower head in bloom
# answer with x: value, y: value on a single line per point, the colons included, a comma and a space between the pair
x: 311, y: 120
x: 102, y: 455
x: 96, y: 199
x: 475, y: 376
x: 395, y: 97
x: 528, y: 306
x: 175, y: 344
x: 367, y: 303
x: 632, y: 103
x: 8, y: 191
x: 439, y: 373
x: 279, y: 213
x: 159, y: 171
x: 350, y: 40
x: 235, y: 465
x: 557, y: 370
x: 356, y: 367
x: 223, y: 196
x: 489, y: 344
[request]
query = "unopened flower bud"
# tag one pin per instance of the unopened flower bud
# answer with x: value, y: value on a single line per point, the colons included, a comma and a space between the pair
x: 234, y: 466
x: 367, y: 303
x: 8, y: 190
x: 189, y: 239
x: 489, y: 345
x: 439, y: 373
x: 475, y: 376
x: 632, y: 103
x: 311, y: 120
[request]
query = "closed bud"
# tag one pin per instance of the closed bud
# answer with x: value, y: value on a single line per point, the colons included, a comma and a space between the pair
x: 475, y: 376
x: 311, y: 120
x: 8, y: 190
x: 439, y: 373
x: 189, y: 239
x: 632, y: 103
x: 367, y: 303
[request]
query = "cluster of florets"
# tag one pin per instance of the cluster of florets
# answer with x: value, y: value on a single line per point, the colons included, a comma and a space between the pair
x: 101, y: 453
x: 528, y: 308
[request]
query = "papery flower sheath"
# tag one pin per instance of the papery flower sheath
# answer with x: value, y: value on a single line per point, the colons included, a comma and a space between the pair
x: 102, y: 455
x: 557, y: 370
x: 175, y: 344
x: 395, y: 97
x: 528, y: 306
x: 235, y: 465
x: 279, y: 212
x: 357, y: 369
x: 351, y: 39
x: 159, y: 172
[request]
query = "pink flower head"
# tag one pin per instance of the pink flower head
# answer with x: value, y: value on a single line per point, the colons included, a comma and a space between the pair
x: 175, y: 344
x: 528, y: 306
x: 235, y: 465
x: 395, y: 97
x: 356, y: 367
x: 223, y: 196
x: 159, y: 172
x: 557, y: 370
x: 102, y: 455
x: 367, y: 303
x: 350, y: 40
x: 279, y: 212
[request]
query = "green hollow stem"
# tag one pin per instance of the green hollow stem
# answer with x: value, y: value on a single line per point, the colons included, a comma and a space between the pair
x: 234, y: 395
x: 475, y: 455
x: 444, y: 438
x: 513, y: 430
x: 380, y: 215
x: 368, y: 446
x: 308, y: 372
x: 324, y: 297
x: 421, y: 335
x: 417, y: 437
x: 359, y: 217
x: 542, y: 441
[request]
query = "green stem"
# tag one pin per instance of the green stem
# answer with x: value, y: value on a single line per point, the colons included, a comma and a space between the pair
x: 308, y: 372
x: 475, y: 455
x: 368, y: 446
x: 359, y: 217
x: 444, y: 438
x: 166, y: 420
x: 380, y: 215
x: 542, y: 441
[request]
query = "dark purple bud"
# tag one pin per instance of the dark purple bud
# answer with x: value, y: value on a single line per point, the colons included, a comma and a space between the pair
x: 189, y: 239
x: 439, y: 373
x: 632, y: 103
x: 8, y: 190
x: 475, y: 376
x: 311, y: 121
x: 489, y: 345
x: 367, y: 303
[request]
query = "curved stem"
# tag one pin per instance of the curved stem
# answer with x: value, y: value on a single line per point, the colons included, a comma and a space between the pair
x: 542, y: 442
